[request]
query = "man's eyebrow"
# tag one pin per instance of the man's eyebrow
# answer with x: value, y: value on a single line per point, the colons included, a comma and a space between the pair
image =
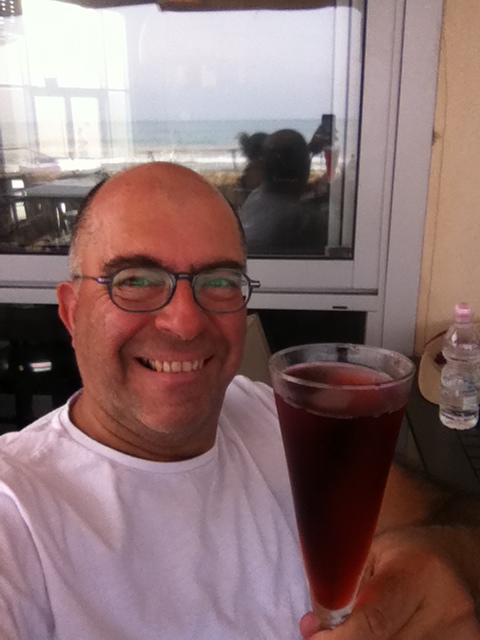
x: 220, y: 264
x: 143, y: 261
x: 129, y: 262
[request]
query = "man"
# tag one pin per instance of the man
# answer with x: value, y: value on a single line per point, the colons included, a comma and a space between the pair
x: 156, y: 503
x: 275, y: 218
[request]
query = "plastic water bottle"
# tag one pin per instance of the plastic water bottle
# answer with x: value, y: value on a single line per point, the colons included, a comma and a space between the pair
x: 461, y: 374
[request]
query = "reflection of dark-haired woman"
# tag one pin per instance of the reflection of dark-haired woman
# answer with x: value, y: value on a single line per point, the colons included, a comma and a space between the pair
x: 252, y: 148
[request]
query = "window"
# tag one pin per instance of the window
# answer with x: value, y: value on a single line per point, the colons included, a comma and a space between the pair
x: 265, y: 104
x: 184, y: 87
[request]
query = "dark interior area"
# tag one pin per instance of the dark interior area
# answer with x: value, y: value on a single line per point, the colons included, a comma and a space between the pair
x: 289, y: 327
x: 37, y: 363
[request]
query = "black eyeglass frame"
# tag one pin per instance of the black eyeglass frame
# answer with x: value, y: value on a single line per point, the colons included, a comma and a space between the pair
x: 174, y: 278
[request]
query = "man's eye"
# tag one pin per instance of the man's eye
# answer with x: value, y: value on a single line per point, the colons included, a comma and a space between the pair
x: 221, y: 283
x: 136, y: 282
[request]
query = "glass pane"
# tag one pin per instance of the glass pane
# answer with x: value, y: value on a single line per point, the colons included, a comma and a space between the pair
x: 51, y: 123
x: 265, y: 104
x: 86, y: 127
x: 56, y: 37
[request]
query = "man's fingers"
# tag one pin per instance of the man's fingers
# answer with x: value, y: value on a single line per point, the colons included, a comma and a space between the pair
x: 308, y: 625
x: 371, y: 618
x: 412, y: 595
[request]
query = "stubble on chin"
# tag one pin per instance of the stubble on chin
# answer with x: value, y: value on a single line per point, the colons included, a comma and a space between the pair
x: 180, y: 430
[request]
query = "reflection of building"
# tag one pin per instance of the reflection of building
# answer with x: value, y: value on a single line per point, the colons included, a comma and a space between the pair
x: 68, y: 97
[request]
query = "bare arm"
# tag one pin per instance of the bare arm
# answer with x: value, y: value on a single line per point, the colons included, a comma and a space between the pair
x: 408, y: 500
x: 444, y: 520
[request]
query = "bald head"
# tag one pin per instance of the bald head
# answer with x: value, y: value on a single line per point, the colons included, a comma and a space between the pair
x: 169, y: 185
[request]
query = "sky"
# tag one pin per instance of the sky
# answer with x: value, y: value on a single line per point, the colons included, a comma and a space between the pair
x: 222, y: 65
x: 231, y: 65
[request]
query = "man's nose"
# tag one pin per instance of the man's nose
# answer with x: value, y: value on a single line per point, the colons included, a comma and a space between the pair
x: 182, y: 316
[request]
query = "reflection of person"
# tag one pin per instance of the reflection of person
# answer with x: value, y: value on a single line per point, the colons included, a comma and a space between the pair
x: 156, y: 503
x: 324, y: 140
x: 82, y: 144
x: 274, y: 217
x: 324, y: 136
x: 252, y: 147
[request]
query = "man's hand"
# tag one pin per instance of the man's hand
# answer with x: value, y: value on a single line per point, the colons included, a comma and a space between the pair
x: 409, y: 593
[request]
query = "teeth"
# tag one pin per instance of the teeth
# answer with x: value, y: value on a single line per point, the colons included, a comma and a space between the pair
x: 173, y: 367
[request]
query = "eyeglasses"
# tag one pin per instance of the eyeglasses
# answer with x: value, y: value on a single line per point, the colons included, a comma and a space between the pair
x: 142, y: 290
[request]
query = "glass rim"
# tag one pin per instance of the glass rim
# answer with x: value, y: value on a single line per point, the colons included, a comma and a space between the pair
x: 273, y: 367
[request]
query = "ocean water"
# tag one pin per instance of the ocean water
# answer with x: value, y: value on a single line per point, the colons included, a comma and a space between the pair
x: 208, y: 145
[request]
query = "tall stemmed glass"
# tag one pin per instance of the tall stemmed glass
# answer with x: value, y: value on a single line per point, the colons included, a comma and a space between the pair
x: 340, y: 408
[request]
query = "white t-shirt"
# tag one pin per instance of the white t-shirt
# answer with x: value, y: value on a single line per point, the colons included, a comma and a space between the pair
x: 99, y: 545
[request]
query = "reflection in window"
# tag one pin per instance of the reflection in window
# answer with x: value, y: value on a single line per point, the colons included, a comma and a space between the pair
x: 265, y: 104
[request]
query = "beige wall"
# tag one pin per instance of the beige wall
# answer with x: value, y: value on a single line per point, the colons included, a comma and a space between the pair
x: 451, y: 255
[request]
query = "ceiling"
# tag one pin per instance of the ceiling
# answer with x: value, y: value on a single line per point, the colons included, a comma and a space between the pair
x: 14, y: 7
x: 208, y: 5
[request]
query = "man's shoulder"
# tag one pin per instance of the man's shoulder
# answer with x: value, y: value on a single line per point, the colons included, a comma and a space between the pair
x: 249, y: 423
x: 245, y: 395
x: 26, y: 445
x: 249, y: 409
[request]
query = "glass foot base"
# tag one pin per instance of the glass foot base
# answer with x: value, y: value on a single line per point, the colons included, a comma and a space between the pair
x: 330, y: 619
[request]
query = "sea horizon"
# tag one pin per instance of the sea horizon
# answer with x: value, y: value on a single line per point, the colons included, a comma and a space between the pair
x: 207, y: 145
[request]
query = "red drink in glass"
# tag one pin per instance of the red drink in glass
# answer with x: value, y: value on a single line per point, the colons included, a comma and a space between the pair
x: 339, y: 423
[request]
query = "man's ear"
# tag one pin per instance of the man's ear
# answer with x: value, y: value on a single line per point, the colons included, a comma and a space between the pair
x: 67, y: 293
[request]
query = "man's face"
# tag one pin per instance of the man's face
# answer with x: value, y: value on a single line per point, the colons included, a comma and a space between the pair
x: 130, y: 401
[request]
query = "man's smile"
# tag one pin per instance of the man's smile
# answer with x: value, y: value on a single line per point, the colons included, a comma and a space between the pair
x: 172, y: 366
